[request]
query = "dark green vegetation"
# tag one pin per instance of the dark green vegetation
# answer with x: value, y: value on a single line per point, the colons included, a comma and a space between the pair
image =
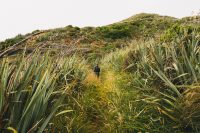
x: 149, y: 81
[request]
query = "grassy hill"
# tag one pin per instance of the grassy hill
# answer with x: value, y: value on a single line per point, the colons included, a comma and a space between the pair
x: 149, y: 80
x: 141, y: 26
x: 106, y: 38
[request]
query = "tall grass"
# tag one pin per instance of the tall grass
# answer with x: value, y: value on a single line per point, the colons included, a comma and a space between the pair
x: 146, y: 87
x: 171, y: 71
x: 158, y: 87
x: 32, y: 90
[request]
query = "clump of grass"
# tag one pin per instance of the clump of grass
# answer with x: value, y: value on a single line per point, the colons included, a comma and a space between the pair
x: 169, y: 68
x: 31, y: 91
x: 146, y: 87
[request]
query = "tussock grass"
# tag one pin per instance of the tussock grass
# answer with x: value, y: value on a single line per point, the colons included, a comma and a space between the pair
x: 169, y: 68
x: 149, y: 86
x: 32, y: 90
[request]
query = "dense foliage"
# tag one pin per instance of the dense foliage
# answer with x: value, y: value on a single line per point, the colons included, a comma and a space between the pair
x: 149, y: 79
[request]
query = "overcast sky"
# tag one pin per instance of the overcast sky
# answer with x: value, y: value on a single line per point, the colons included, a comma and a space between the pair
x: 23, y: 16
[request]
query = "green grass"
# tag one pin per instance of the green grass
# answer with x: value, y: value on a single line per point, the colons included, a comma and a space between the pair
x: 145, y: 87
x: 141, y: 26
x: 147, y: 84
x: 171, y: 69
x: 137, y: 93
x: 33, y: 89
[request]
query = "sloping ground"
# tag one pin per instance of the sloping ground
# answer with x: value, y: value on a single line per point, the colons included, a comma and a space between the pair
x: 148, y: 86
x: 98, y: 40
x: 108, y: 37
x: 191, y: 20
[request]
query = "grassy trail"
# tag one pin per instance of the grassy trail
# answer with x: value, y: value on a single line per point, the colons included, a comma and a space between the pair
x: 105, y: 84
x: 105, y: 87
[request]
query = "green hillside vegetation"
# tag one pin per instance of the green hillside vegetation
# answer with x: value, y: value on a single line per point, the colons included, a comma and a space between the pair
x: 110, y: 37
x: 149, y: 80
x: 132, y: 28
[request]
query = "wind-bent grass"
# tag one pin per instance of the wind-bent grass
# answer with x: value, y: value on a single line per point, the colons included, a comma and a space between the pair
x: 155, y: 84
x: 32, y: 90
x: 170, y: 68
x: 146, y: 87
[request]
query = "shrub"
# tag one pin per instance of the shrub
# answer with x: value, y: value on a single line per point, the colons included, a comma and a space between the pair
x: 9, y: 42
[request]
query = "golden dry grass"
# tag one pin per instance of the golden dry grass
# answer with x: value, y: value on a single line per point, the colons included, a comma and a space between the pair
x: 104, y: 85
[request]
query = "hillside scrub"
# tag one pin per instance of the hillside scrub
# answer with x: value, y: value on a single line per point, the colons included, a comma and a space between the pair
x: 149, y: 79
x: 138, y: 93
x: 141, y: 26
x: 10, y: 42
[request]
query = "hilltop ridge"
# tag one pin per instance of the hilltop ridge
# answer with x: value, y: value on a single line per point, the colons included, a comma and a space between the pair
x: 107, y: 38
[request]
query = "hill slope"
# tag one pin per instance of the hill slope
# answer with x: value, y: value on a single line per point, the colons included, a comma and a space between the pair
x: 149, y: 79
x: 89, y: 39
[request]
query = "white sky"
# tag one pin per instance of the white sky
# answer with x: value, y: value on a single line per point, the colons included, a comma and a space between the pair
x: 23, y: 16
